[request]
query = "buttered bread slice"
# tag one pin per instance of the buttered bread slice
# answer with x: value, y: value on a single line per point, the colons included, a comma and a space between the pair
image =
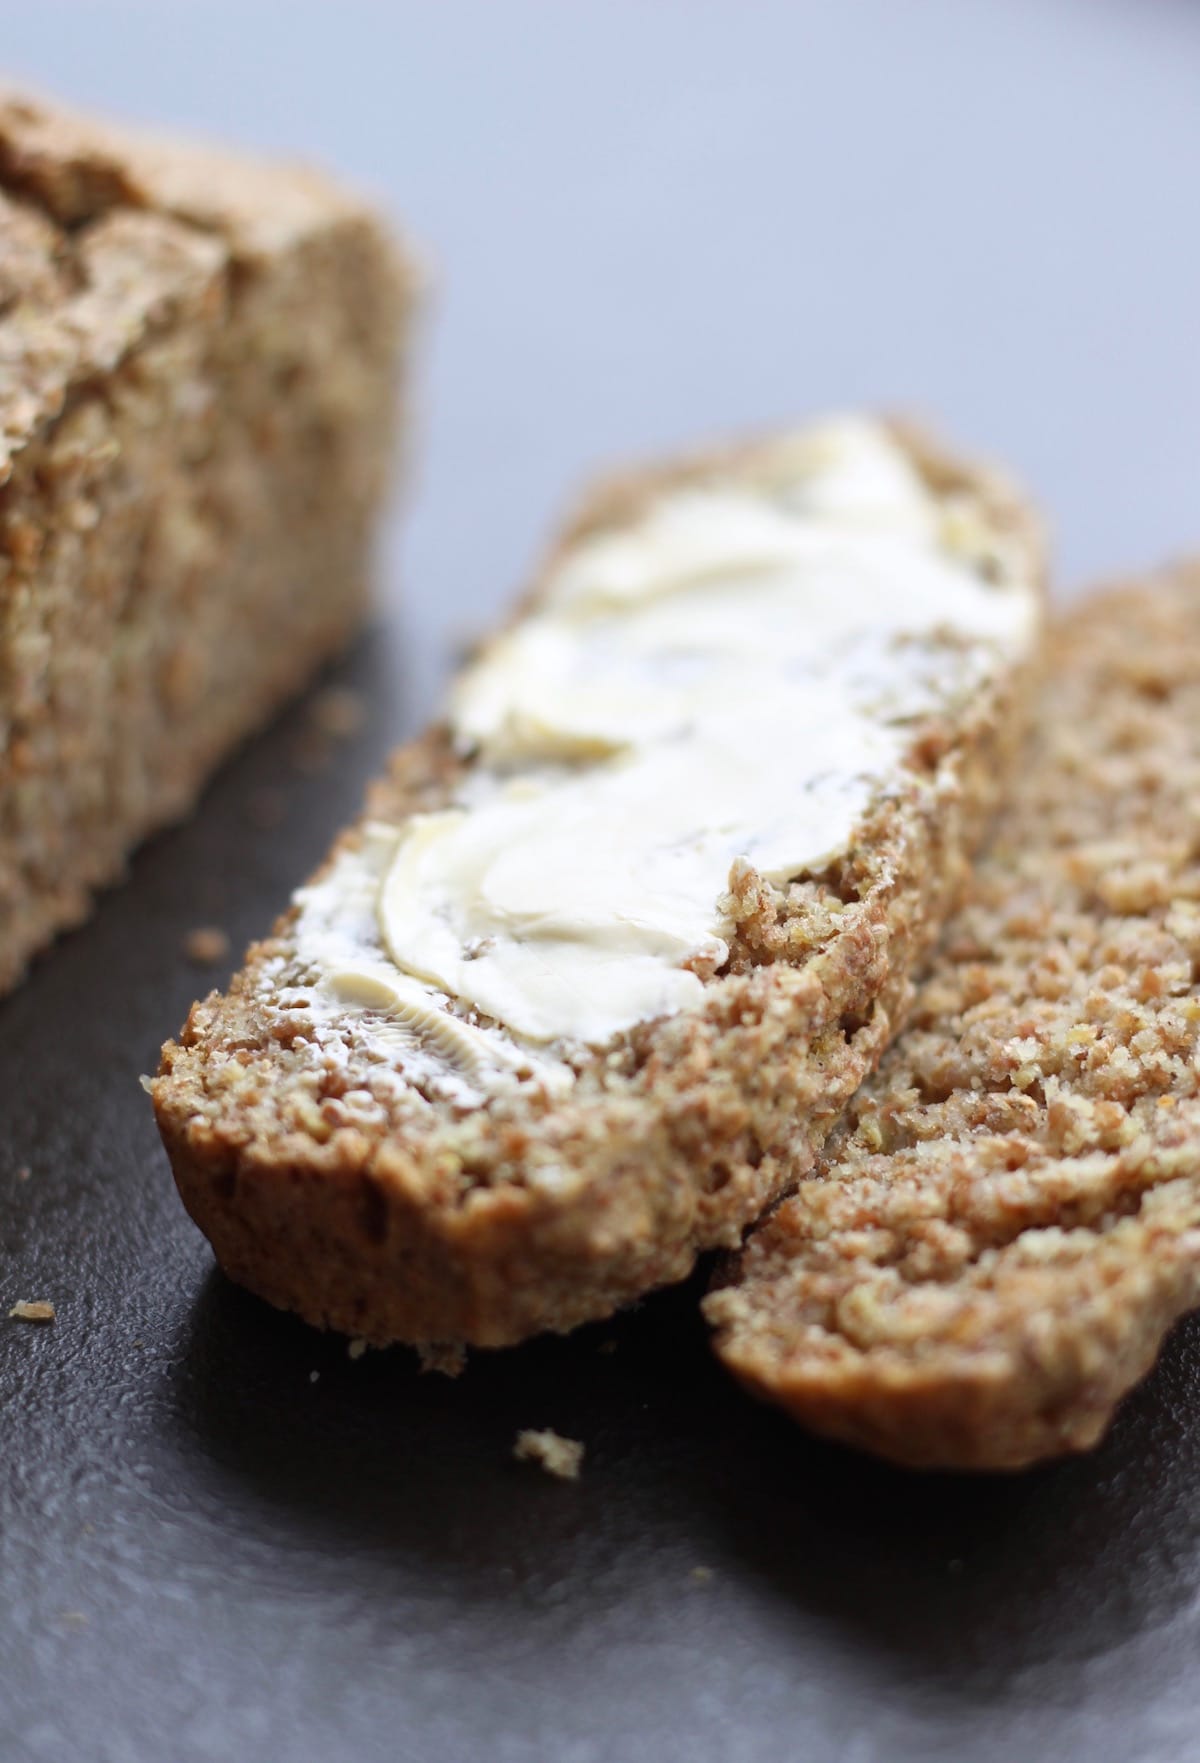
x: 587, y: 985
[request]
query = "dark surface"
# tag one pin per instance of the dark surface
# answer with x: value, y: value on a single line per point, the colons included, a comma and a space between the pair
x: 206, y: 1554
x: 649, y: 220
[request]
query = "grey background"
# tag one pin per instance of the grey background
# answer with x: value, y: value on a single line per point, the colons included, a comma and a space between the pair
x: 649, y: 222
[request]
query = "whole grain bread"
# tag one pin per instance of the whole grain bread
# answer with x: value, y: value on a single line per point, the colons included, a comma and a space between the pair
x: 332, y: 1187
x: 198, y: 373
x: 1007, y: 1220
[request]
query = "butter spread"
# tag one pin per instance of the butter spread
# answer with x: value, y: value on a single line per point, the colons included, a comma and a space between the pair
x: 733, y: 676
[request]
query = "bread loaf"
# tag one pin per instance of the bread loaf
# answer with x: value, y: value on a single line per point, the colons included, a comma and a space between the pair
x: 198, y: 374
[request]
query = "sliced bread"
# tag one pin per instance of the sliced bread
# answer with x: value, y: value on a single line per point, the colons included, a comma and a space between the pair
x: 586, y: 987
x: 1006, y: 1222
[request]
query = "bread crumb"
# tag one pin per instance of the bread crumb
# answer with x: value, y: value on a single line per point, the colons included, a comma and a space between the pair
x: 206, y: 945
x: 556, y: 1455
x: 24, y: 1173
x: 33, y: 1310
x: 356, y: 1348
x: 73, y: 1618
x: 447, y: 1357
x: 700, y: 1574
x: 338, y: 712
x: 312, y: 753
x: 266, y: 809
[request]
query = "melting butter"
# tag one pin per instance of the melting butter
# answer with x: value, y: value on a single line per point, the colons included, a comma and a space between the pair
x: 733, y: 676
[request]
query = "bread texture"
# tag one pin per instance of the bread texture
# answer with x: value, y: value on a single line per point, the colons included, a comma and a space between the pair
x: 1007, y: 1221
x: 199, y: 357
x: 332, y: 1188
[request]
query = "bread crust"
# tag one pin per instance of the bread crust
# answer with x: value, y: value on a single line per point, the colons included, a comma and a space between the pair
x: 1007, y: 1221
x: 197, y: 403
x: 395, y: 1217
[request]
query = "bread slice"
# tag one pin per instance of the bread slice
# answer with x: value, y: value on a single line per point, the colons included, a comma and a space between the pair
x: 1007, y: 1221
x: 343, y: 1155
x: 198, y: 374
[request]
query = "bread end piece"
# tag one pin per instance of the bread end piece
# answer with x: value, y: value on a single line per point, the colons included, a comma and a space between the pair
x: 197, y: 421
x: 1006, y: 1223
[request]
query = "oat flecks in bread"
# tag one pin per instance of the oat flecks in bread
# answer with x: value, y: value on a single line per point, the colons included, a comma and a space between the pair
x: 334, y: 1187
x: 558, y: 1456
x: 200, y: 355
x: 1007, y: 1222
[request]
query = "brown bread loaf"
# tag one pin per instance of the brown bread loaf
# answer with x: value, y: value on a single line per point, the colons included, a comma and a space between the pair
x: 198, y: 375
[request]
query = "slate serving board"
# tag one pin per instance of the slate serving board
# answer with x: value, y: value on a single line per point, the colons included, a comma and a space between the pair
x: 648, y: 222
x: 206, y: 1553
